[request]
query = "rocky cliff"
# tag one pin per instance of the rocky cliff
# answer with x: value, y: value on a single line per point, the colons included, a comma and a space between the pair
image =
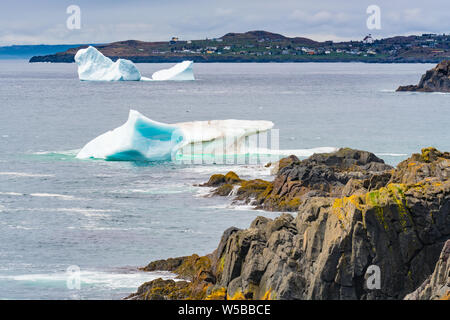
x: 362, y: 216
x: 334, y: 174
x: 437, y: 285
x: 434, y: 80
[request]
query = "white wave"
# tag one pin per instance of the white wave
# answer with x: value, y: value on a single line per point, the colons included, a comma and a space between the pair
x: 43, y: 195
x: 157, y: 190
x: 424, y: 93
x: 204, y: 192
x: 95, y: 213
x: 25, y: 174
x: 111, y: 280
x: 87, y: 212
x: 20, y: 227
x: 233, y: 191
x: 248, y: 207
x: 391, y: 154
x: 72, y: 152
x: 11, y: 194
x: 296, y: 152
x: 54, y: 195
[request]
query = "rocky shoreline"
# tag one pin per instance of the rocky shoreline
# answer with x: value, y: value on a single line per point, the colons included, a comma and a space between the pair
x: 434, y: 80
x: 354, y: 213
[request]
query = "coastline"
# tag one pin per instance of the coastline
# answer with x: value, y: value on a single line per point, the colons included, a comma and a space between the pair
x: 353, y: 213
x: 69, y: 58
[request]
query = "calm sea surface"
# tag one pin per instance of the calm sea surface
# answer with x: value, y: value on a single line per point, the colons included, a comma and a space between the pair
x: 108, y: 218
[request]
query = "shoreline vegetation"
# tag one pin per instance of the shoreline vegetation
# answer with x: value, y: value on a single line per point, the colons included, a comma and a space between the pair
x: 263, y: 46
x: 354, y: 212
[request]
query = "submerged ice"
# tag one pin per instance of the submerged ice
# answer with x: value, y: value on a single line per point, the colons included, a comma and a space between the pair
x: 94, y: 66
x: 143, y: 139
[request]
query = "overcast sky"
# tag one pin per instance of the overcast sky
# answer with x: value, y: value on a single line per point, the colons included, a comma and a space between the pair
x: 44, y: 21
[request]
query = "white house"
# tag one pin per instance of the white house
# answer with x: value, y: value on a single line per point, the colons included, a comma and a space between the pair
x: 368, y: 39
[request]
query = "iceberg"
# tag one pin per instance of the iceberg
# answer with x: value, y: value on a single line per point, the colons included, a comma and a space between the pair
x: 94, y: 66
x: 143, y: 139
x: 180, y: 71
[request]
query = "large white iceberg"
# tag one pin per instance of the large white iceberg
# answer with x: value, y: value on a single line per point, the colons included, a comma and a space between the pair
x: 142, y: 139
x: 180, y: 71
x: 94, y: 66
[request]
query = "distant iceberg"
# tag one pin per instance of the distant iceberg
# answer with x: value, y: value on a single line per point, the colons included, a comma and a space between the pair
x: 143, y: 139
x: 180, y: 71
x: 94, y: 66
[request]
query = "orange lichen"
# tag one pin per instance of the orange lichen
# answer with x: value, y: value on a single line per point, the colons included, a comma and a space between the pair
x: 446, y: 296
x: 376, y: 200
x: 237, y: 296
x: 267, y: 295
x: 218, y: 294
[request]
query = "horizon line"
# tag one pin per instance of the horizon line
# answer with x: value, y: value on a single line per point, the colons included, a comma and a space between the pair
x: 181, y: 39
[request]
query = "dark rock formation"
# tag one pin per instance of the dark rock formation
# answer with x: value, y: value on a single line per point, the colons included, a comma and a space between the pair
x: 170, y: 264
x: 194, y: 270
x: 437, y: 285
x: 397, y: 222
x: 327, y: 174
x: 434, y: 80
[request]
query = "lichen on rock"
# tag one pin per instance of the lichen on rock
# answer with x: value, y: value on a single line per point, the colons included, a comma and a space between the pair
x: 329, y: 174
x: 352, y: 213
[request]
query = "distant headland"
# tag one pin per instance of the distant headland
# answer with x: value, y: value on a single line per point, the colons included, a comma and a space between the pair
x: 263, y: 46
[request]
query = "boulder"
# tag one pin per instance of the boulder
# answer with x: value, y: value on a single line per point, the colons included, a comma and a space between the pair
x: 434, y: 80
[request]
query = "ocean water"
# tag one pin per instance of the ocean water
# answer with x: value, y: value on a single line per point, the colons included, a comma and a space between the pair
x: 108, y: 218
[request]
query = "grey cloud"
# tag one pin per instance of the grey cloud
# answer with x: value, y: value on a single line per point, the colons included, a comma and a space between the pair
x: 26, y: 21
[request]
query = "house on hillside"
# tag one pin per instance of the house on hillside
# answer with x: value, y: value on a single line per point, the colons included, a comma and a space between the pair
x: 368, y: 39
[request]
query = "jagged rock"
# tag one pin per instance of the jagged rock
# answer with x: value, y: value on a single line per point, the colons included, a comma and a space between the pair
x: 428, y: 164
x: 437, y: 285
x: 170, y: 264
x: 187, y: 268
x: 160, y: 289
x: 434, y: 80
x: 325, y: 174
x: 346, y: 158
x: 397, y: 220
x: 277, y: 166
x: 196, y: 270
